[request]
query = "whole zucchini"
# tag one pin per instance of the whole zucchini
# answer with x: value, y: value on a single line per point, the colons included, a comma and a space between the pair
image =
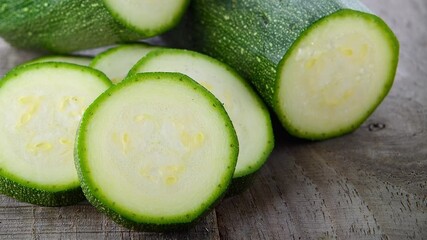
x: 322, y: 65
x: 69, y: 25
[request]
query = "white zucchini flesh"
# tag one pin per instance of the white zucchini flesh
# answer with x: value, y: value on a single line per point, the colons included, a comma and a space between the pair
x: 150, y: 17
x: 79, y: 60
x: 44, y: 103
x: 156, y: 149
x: 335, y: 76
x: 116, y: 62
x: 247, y: 112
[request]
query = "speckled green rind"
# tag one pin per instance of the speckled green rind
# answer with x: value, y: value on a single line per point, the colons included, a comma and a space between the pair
x: 149, y: 32
x: 126, y: 217
x: 26, y: 191
x: 61, y: 26
x: 255, y: 36
x: 236, y: 185
x: 355, y: 123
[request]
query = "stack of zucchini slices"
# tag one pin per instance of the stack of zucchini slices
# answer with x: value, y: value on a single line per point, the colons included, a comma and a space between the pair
x: 155, y: 151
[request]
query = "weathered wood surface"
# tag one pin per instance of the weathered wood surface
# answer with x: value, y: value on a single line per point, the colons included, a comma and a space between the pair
x: 371, y: 184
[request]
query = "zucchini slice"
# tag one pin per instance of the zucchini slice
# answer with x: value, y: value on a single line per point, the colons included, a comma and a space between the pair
x: 44, y: 103
x: 79, y: 60
x: 156, y: 152
x: 248, y: 113
x: 116, y: 62
x: 322, y: 65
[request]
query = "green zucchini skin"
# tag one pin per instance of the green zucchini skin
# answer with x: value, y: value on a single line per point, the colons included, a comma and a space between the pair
x: 255, y: 37
x: 61, y: 26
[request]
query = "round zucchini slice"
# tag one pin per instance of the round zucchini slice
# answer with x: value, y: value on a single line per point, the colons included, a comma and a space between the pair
x: 248, y: 113
x: 156, y: 152
x: 43, y: 104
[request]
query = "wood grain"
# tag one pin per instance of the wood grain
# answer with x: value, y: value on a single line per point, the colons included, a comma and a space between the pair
x: 25, y: 221
x: 371, y: 184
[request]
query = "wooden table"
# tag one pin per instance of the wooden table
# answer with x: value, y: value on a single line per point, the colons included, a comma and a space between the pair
x: 371, y: 184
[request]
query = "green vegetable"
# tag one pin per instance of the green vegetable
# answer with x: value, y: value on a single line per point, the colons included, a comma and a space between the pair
x: 42, y: 105
x: 248, y: 113
x: 116, y: 62
x: 156, y: 152
x: 65, y: 26
x: 322, y: 65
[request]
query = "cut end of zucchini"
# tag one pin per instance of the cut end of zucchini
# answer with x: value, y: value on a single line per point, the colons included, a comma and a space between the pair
x: 43, y: 104
x: 156, y: 150
x: 336, y: 74
x: 147, y: 17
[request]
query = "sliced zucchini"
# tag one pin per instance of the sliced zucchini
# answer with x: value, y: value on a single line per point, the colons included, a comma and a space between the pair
x: 248, y: 113
x: 156, y: 152
x: 79, y: 60
x: 44, y: 103
x: 116, y: 62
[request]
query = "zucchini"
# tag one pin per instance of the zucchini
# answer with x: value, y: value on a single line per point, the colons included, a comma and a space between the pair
x: 44, y: 103
x: 323, y: 66
x: 65, y: 26
x: 248, y: 113
x: 116, y: 62
x: 79, y: 60
x: 155, y: 152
